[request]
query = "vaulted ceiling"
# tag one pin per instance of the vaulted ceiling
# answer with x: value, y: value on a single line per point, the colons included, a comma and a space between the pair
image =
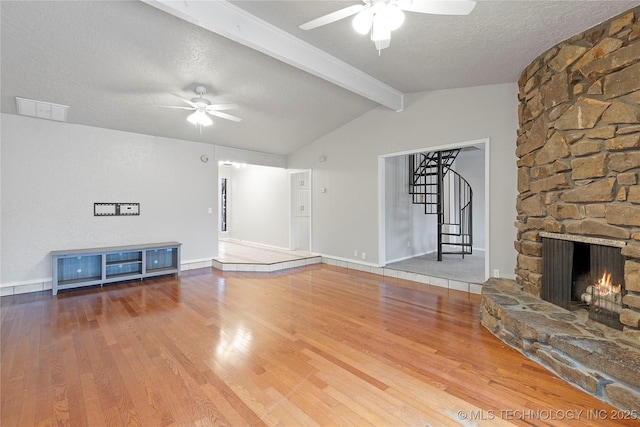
x: 116, y: 63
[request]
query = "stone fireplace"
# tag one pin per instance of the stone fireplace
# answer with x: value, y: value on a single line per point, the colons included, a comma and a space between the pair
x: 578, y: 149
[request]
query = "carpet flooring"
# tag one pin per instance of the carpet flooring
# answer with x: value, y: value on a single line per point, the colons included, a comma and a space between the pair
x: 470, y: 269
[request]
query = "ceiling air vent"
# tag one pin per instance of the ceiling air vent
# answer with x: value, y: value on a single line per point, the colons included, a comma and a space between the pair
x: 41, y: 109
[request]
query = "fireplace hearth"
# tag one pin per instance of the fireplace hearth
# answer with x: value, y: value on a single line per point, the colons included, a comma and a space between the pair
x: 600, y: 360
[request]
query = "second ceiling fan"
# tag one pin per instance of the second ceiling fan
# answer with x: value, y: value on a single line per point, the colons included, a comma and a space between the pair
x: 201, y: 107
x: 380, y: 17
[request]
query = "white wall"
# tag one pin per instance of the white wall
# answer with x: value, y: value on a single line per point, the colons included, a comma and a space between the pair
x: 238, y: 155
x: 53, y: 173
x: 404, y: 221
x: 346, y: 216
x: 258, y: 204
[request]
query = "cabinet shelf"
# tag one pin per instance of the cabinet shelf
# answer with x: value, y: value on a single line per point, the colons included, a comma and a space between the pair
x: 123, y: 276
x: 77, y: 281
x: 88, y: 267
x: 109, y: 264
x: 123, y: 269
x: 159, y: 271
x: 122, y: 257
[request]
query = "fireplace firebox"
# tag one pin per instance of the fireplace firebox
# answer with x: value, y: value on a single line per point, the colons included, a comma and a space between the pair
x: 584, y: 274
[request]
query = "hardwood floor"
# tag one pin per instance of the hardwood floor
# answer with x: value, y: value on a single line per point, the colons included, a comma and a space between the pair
x: 317, y: 345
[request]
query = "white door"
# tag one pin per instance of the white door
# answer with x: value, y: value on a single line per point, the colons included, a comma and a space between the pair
x: 301, y: 211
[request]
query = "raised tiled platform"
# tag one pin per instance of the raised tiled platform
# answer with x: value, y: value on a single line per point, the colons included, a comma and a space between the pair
x: 250, y: 257
x: 602, y: 361
x: 265, y: 267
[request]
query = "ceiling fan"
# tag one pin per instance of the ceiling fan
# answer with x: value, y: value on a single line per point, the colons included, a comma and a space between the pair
x: 380, y: 17
x: 202, y: 106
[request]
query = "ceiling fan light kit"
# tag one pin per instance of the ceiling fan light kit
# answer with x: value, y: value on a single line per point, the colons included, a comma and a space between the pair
x: 200, y: 118
x: 202, y: 108
x: 391, y: 16
x: 362, y: 21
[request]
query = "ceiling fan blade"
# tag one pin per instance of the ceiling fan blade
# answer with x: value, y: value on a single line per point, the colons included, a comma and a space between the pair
x: 220, y: 107
x: 225, y: 116
x: 437, y: 7
x: 179, y: 108
x: 185, y: 100
x: 333, y: 17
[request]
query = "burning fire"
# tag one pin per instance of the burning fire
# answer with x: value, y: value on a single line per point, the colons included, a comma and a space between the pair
x: 604, y: 286
x: 603, y: 294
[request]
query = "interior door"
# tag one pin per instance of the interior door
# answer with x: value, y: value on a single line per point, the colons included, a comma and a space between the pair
x: 301, y: 211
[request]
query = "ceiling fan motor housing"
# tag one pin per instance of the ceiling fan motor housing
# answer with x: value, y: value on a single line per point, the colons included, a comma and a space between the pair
x: 200, y: 101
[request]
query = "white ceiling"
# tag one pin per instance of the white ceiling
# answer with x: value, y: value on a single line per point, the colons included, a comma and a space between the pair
x: 116, y: 62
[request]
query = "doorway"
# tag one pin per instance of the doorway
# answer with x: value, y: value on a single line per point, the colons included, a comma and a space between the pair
x: 408, y: 237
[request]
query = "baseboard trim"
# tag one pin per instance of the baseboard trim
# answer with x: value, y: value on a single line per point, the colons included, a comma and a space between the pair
x: 26, y: 287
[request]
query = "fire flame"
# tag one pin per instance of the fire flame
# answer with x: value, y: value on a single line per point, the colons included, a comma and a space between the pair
x: 605, y: 287
x: 606, y: 296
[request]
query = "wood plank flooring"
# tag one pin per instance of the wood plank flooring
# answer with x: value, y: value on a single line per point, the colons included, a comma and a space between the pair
x: 317, y: 345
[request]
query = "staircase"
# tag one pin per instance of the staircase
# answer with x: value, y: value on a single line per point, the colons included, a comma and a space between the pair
x: 444, y: 193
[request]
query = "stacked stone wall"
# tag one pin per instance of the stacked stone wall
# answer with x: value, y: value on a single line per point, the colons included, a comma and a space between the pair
x: 578, y: 150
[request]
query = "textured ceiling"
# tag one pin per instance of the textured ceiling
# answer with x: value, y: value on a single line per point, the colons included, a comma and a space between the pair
x: 116, y: 62
x: 491, y: 45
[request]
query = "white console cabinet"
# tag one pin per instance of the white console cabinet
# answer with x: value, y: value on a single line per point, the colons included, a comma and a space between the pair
x: 98, y: 266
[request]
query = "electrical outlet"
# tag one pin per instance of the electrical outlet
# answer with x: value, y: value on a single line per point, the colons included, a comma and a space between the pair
x: 355, y: 253
x: 496, y: 273
x: 364, y: 256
